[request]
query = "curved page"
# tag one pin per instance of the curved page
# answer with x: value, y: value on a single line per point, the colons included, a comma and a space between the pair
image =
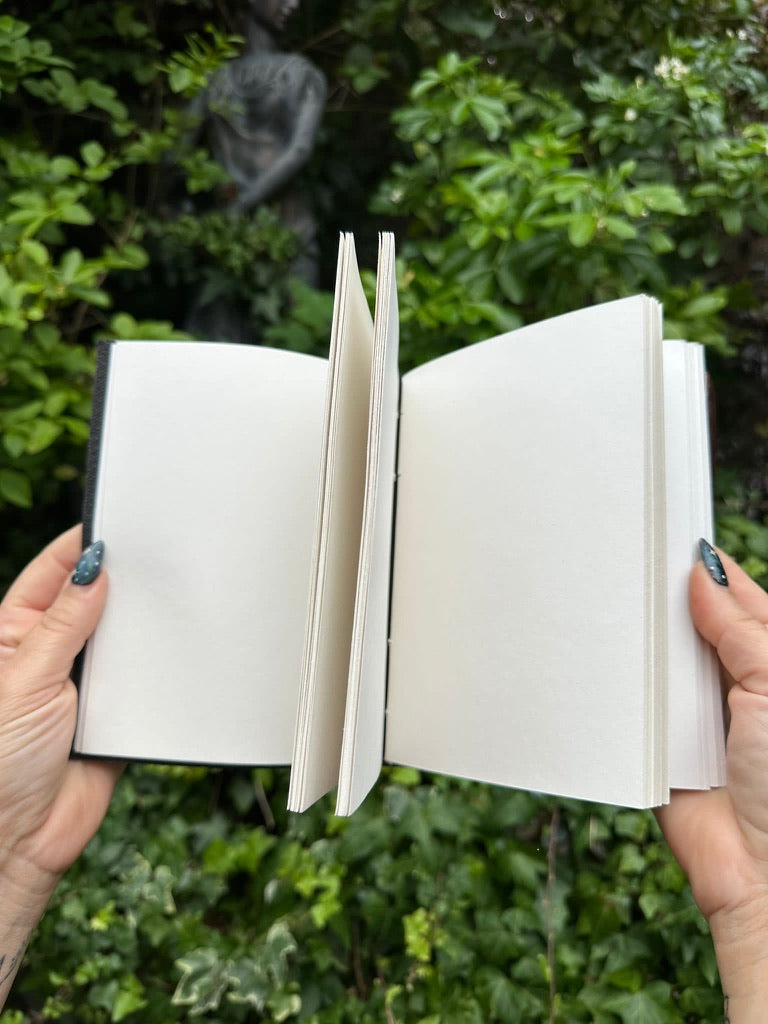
x: 336, y: 547
x: 362, y: 748
x: 205, y: 497
x: 527, y: 646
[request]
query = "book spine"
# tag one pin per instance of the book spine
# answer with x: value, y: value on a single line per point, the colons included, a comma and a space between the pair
x: 103, y: 353
x: 392, y: 547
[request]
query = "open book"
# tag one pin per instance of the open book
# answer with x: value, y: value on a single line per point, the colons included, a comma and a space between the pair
x: 480, y: 569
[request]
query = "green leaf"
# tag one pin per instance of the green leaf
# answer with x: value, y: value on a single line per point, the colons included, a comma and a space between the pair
x: 15, y: 488
x: 56, y: 402
x: 703, y: 305
x: 619, y: 228
x: 35, y: 251
x: 503, y: 996
x: 402, y: 776
x: 93, y: 153
x: 649, y: 1006
x: 42, y: 435
x: 75, y: 213
x: 284, y: 1005
x: 70, y: 263
x: 581, y: 229
x: 15, y: 444
x: 732, y: 219
x: 660, y: 242
x: 204, y: 980
x: 419, y: 934
x: 180, y: 78
x: 129, y: 998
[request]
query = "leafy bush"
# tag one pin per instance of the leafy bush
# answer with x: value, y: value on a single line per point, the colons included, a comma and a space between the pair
x: 65, y: 229
x: 445, y: 902
x: 518, y: 195
x: 80, y: 202
x: 528, y: 200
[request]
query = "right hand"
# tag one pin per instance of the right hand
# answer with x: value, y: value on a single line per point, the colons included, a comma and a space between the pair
x: 720, y: 837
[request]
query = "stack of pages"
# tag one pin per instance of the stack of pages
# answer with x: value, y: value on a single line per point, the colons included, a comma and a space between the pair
x: 479, y: 569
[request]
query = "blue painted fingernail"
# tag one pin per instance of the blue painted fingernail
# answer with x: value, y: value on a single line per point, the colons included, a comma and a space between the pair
x: 712, y: 563
x: 89, y: 565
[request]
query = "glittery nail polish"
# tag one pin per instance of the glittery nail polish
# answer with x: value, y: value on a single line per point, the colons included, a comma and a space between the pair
x: 89, y: 565
x: 712, y: 563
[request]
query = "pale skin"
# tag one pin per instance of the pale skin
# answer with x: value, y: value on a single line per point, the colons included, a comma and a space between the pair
x: 50, y: 807
x: 721, y: 837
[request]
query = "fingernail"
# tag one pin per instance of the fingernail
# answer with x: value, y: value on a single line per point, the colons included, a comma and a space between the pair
x: 712, y: 563
x: 89, y: 565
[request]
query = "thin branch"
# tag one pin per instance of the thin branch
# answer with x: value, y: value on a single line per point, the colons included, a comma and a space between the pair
x: 554, y: 825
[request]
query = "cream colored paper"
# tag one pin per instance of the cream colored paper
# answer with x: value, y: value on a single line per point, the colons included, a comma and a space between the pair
x: 317, y: 747
x: 524, y: 648
x: 207, y: 483
x: 363, y: 745
x: 696, y: 742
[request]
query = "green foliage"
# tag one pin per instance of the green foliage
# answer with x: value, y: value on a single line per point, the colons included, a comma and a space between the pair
x: 44, y: 400
x: 65, y: 230
x: 245, y: 260
x: 306, y: 328
x: 534, y: 204
x: 436, y: 902
x: 190, y: 70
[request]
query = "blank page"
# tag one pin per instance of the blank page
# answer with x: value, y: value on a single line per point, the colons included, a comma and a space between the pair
x: 363, y: 746
x: 336, y: 551
x: 526, y: 646
x: 696, y: 743
x: 206, y: 495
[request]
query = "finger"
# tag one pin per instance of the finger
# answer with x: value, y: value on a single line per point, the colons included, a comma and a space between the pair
x: 38, y: 585
x: 44, y: 657
x: 741, y: 640
x: 752, y: 598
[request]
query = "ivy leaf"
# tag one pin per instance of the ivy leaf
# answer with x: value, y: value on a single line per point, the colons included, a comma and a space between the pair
x: 502, y: 994
x: 284, y: 1005
x: 130, y: 997
x: 650, y: 1006
x: 204, y: 980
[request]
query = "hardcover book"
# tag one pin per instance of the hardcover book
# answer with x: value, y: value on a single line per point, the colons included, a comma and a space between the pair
x: 478, y: 568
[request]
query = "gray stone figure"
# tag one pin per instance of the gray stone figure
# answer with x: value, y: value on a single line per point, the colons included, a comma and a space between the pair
x: 261, y: 113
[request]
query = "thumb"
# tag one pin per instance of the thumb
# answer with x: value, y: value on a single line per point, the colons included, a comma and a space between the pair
x: 43, y: 659
x: 729, y: 612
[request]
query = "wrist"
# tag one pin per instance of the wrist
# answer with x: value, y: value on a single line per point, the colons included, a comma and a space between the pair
x: 740, y: 935
x: 25, y: 887
x: 25, y: 890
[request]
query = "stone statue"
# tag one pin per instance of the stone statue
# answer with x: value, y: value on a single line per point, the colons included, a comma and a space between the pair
x: 261, y: 113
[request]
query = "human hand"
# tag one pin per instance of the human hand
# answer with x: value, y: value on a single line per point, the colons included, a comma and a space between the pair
x: 50, y: 807
x: 720, y: 837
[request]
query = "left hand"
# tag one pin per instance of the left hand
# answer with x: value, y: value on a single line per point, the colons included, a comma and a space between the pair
x: 50, y: 806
